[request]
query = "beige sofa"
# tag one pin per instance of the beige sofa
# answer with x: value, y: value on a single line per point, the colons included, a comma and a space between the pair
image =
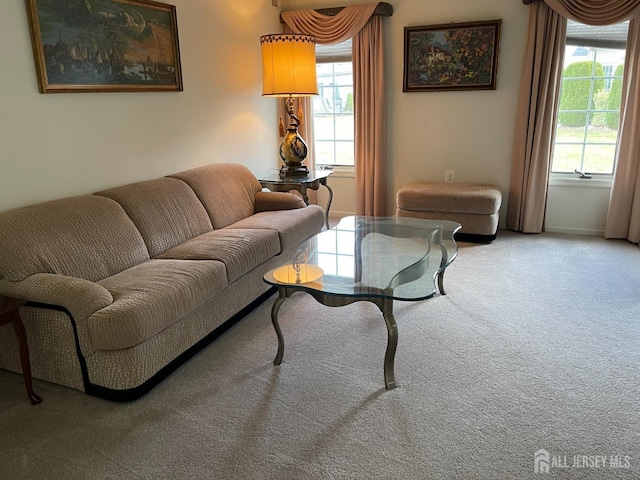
x: 124, y: 285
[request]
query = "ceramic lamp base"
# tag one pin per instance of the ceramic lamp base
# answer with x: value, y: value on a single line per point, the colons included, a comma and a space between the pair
x: 293, y: 151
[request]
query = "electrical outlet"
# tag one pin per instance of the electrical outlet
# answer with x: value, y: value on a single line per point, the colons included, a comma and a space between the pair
x: 274, y: 3
x: 448, y: 176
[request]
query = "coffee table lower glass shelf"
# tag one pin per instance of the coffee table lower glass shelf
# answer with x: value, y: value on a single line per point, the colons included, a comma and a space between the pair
x: 374, y: 259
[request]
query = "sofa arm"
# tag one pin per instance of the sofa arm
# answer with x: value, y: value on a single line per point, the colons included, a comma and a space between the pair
x: 269, y: 201
x: 81, y: 297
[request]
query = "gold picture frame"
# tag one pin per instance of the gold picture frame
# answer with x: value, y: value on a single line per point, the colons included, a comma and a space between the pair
x: 105, y: 46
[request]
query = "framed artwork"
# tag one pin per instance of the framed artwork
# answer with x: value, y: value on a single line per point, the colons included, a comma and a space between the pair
x: 105, y: 46
x: 454, y: 56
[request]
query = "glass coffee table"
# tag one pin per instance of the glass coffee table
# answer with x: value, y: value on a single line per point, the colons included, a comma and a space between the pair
x: 374, y: 259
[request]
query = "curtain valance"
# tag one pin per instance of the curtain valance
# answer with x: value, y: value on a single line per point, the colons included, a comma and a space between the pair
x: 596, y: 12
x: 329, y: 29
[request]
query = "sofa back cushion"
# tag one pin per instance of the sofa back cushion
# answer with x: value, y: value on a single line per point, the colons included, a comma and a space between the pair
x: 87, y: 237
x: 227, y: 191
x: 166, y: 212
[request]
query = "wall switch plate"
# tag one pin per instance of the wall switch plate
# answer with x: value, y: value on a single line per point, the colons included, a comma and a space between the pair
x: 448, y: 176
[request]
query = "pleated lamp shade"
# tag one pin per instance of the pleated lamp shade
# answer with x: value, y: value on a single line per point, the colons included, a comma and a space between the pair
x: 288, y: 65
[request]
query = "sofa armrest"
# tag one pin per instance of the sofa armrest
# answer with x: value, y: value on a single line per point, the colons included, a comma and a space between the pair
x: 270, y: 201
x: 81, y: 297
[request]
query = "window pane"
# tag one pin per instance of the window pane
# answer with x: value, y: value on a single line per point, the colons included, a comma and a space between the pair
x: 323, y: 128
x: 569, y: 134
x: 597, y: 134
x: 344, y: 79
x: 599, y: 158
x: 344, y: 127
x: 323, y: 69
x: 324, y: 152
x: 344, y: 153
x: 333, y: 113
x: 566, y: 158
x: 588, y: 113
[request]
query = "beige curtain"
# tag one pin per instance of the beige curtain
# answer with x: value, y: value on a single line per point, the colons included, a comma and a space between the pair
x: 368, y: 94
x: 357, y: 22
x: 535, y: 122
x: 623, y: 217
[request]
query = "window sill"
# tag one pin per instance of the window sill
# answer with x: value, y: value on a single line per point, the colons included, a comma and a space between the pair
x: 571, y: 180
x: 341, y: 172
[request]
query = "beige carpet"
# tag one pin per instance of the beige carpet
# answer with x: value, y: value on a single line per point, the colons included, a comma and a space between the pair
x: 536, y: 346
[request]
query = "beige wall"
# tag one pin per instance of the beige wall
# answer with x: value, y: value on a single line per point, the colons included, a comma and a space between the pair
x: 56, y: 145
x: 468, y: 132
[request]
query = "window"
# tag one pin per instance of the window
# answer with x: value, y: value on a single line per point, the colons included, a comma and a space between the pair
x: 333, y: 109
x: 590, y: 95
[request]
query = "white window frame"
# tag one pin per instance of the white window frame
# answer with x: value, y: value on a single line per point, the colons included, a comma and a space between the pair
x: 340, y: 53
x: 597, y: 179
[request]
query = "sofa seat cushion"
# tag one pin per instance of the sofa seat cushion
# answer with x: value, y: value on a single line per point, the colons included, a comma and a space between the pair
x: 293, y: 226
x: 151, y: 296
x: 240, y: 250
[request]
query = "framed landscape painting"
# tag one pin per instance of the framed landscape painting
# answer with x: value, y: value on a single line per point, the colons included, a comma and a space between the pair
x: 105, y: 45
x: 455, y: 56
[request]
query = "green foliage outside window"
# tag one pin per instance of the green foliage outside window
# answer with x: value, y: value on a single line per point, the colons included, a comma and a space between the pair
x: 348, y: 106
x: 576, y: 91
x: 612, y: 119
x: 600, y: 102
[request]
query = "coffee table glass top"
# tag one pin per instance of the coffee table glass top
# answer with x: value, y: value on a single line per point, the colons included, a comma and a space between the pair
x: 389, y: 257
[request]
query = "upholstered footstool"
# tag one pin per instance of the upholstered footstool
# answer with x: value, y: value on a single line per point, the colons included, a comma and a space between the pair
x: 475, y: 207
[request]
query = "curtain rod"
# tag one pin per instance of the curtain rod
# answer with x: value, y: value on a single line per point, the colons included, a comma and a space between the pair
x: 383, y: 9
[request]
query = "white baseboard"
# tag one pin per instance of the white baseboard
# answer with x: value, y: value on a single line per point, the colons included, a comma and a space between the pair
x: 336, y: 216
x: 575, y: 231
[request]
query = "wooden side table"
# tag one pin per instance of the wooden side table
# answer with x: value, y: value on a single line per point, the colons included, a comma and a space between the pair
x: 9, y: 313
x: 276, y: 183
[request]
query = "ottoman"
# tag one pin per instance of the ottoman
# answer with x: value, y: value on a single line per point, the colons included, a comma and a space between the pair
x: 475, y: 207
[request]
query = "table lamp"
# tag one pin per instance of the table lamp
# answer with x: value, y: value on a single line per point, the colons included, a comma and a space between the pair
x: 288, y: 70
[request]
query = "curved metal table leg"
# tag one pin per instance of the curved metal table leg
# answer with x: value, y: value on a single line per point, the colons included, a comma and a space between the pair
x: 274, y: 319
x: 389, y: 356
x: 328, y: 207
x: 441, y: 283
x: 305, y: 197
x: 443, y: 265
x: 385, y: 306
